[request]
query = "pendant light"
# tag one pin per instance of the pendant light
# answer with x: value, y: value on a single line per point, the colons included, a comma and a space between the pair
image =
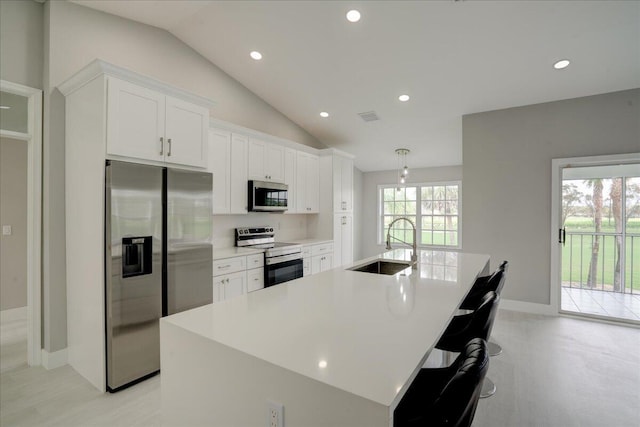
x: 403, y: 169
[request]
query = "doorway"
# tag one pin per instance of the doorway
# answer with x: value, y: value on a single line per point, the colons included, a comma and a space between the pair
x: 598, y: 239
x: 26, y: 127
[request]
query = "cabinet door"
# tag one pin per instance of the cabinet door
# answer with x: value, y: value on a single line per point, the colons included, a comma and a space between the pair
x: 256, y: 161
x: 342, y: 184
x: 306, y: 267
x: 343, y: 239
x: 220, y: 167
x: 313, y: 184
x: 327, y: 262
x: 186, y: 133
x: 135, y: 121
x: 316, y: 264
x: 290, y: 156
x: 238, y: 176
x: 301, y: 182
x: 274, y: 167
x: 255, y: 279
x: 235, y: 284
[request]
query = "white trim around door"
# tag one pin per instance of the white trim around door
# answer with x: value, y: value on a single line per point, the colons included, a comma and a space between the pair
x: 557, y: 165
x: 34, y: 213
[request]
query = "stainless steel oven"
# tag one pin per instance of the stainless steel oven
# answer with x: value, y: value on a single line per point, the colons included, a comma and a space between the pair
x: 282, y: 261
x: 282, y: 264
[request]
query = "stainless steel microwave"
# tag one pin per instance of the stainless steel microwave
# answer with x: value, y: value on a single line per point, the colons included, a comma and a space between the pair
x: 268, y: 196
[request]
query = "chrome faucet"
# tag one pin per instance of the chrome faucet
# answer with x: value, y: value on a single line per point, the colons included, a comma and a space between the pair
x: 414, y: 254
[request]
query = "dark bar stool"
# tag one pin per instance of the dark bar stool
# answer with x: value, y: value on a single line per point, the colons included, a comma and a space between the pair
x: 476, y: 324
x: 446, y: 396
x: 495, y: 282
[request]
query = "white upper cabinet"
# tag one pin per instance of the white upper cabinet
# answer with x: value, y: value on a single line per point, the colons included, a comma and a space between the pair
x: 228, y: 164
x: 290, y: 160
x: 219, y: 166
x: 307, y: 183
x: 342, y: 184
x: 266, y: 161
x: 146, y: 124
x: 186, y: 127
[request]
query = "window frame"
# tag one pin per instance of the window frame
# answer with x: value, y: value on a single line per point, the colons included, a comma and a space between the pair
x: 380, y: 221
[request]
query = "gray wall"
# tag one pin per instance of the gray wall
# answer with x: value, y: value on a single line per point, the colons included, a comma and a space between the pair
x: 73, y: 37
x: 370, y: 209
x: 13, y: 212
x: 21, y: 42
x: 507, y: 176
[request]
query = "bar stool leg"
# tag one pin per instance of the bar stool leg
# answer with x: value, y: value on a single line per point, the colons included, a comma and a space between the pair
x: 488, y: 388
x: 494, y: 348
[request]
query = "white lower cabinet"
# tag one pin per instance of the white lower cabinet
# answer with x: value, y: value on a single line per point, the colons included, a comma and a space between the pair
x: 317, y: 258
x: 255, y: 279
x: 237, y: 275
x: 229, y: 286
x: 320, y: 263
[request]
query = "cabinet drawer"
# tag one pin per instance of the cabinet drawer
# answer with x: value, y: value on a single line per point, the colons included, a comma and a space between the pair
x: 323, y: 248
x: 229, y: 265
x: 255, y: 261
x: 306, y: 251
x: 255, y: 279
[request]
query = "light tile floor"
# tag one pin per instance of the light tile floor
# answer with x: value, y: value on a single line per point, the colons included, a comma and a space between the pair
x: 601, y: 303
x: 554, y: 372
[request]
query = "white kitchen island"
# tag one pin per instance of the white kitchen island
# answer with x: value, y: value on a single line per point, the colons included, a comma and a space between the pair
x: 335, y: 349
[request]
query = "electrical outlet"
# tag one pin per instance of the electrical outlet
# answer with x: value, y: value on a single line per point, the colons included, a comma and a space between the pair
x: 275, y: 414
x: 6, y: 230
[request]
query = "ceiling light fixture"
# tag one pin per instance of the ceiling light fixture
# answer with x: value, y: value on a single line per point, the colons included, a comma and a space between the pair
x: 256, y: 55
x: 353, y: 16
x: 324, y: 114
x: 403, y: 171
x: 4, y: 107
x: 322, y: 364
x: 404, y: 98
x: 563, y: 63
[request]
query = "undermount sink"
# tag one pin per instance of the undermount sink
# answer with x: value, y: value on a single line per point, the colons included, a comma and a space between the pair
x: 382, y: 267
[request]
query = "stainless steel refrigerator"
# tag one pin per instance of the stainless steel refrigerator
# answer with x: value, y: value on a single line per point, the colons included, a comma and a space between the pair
x: 158, y: 260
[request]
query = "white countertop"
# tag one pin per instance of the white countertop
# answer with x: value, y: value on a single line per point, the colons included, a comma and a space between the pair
x: 309, y: 241
x: 222, y: 253
x: 363, y: 333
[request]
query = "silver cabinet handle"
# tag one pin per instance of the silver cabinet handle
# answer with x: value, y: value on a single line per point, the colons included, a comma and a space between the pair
x: 161, y: 145
x: 220, y: 267
x: 169, y: 152
x: 344, y: 206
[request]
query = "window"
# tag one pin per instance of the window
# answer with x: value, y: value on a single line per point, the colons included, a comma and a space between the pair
x: 433, y: 208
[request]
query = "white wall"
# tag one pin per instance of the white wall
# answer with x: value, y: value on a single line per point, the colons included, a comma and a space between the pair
x: 73, y: 37
x: 506, y: 196
x: 13, y: 212
x: 287, y: 227
x: 21, y: 49
x: 370, y: 209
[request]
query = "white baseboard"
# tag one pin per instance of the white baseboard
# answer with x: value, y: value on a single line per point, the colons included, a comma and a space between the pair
x: 55, y: 359
x: 19, y: 313
x: 527, y: 307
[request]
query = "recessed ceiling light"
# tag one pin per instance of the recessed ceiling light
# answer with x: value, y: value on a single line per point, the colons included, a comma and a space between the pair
x: 4, y: 107
x: 322, y: 364
x: 324, y: 114
x: 353, y: 16
x: 256, y: 55
x: 404, y: 98
x: 563, y: 63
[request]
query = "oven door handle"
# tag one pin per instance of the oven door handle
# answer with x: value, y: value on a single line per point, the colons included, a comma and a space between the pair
x: 283, y: 258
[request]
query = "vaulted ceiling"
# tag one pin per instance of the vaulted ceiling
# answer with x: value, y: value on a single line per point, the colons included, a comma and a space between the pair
x: 451, y: 57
